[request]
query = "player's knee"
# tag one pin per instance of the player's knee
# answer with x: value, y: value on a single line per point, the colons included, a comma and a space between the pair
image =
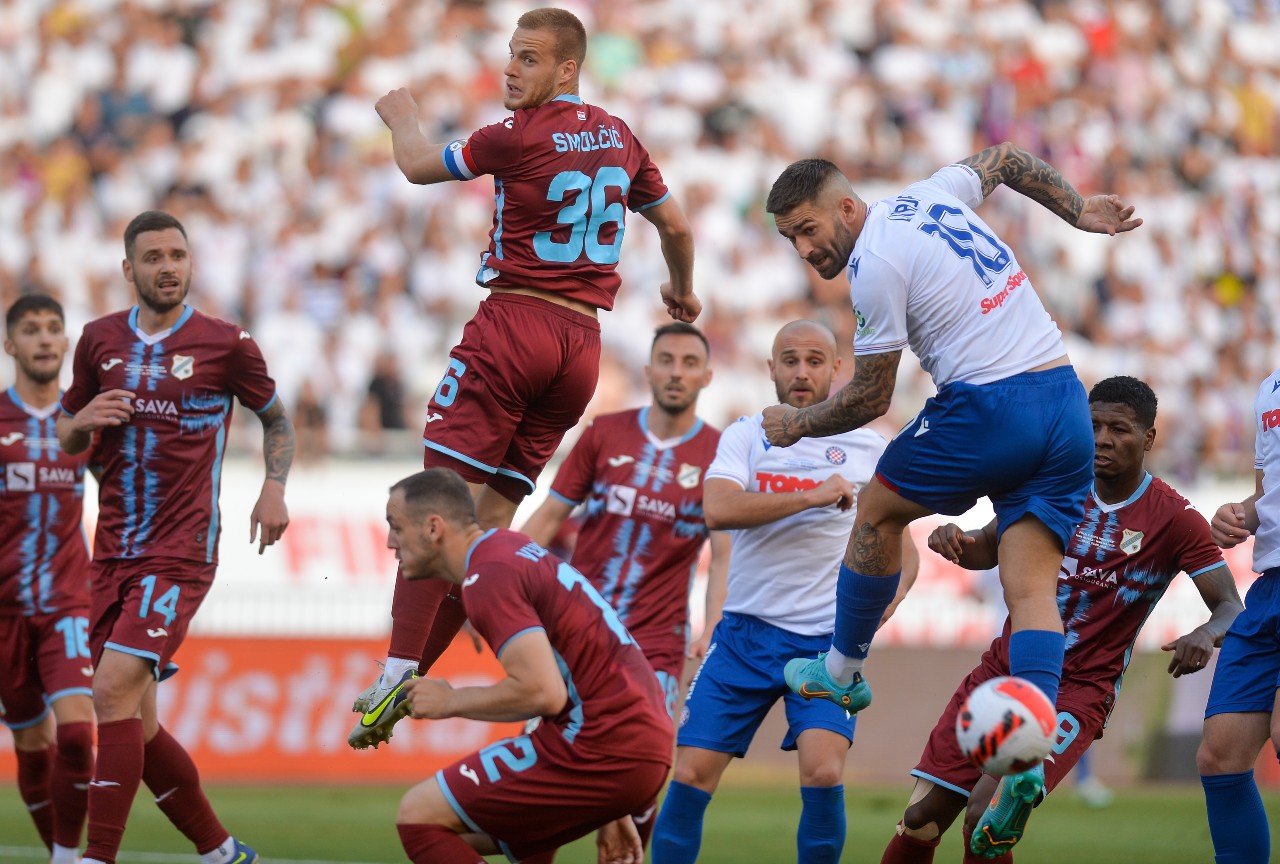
x: 421, y: 806
x: 34, y: 738
x: 692, y: 773
x: 824, y: 775
x: 920, y: 822
x: 1217, y: 755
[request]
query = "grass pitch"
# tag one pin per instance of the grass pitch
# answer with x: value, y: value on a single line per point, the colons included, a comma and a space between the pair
x: 749, y: 820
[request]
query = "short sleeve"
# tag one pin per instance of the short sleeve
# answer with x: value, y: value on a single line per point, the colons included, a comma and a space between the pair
x: 491, y: 149
x: 84, y: 378
x: 1198, y: 552
x: 879, y: 295
x: 958, y: 181
x: 647, y: 186
x: 734, y: 452
x: 249, y: 380
x: 577, y: 473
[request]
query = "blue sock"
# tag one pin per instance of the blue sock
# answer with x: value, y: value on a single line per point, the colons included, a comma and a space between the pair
x: 860, y: 603
x: 1037, y: 656
x: 677, y: 835
x: 820, y: 837
x: 1237, y: 821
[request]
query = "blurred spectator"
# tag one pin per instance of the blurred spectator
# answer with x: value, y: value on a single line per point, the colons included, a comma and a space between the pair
x: 255, y: 119
x: 384, y: 407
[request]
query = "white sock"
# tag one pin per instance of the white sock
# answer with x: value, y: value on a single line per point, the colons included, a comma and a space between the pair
x: 64, y: 855
x: 842, y: 668
x: 221, y: 855
x: 395, y: 669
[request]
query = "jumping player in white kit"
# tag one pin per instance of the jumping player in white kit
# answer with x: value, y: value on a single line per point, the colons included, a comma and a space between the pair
x: 1010, y: 420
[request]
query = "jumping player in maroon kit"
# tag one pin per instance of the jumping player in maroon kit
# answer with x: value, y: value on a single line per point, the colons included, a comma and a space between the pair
x: 45, y: 673
x: 1137, y: 534
x: 565, y: 174
x: 604, y: 748
x: 156, y: 383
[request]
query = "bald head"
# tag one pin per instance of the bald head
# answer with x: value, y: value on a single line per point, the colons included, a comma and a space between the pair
x: 804, y: 363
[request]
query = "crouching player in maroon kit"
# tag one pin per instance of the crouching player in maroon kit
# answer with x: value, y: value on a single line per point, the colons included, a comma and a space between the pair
x: 44, y: 585
x: 565, y: 173
x: 156, y: 383
x: 604, y: 748
x: 1137, y: 534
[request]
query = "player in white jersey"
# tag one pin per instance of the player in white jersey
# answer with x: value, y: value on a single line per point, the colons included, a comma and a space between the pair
x: 788, y: 513
x: 1010, y: 420
x: 1244, y: 700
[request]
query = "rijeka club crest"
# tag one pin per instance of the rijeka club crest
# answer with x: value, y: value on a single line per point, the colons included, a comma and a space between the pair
x: 184, y: 366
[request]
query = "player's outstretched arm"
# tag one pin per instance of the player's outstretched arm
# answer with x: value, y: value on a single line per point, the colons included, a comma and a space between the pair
x: 270, y: 516
x: 676, y: 236
x: 726, y: 505
x: 532, y: 688
x: 112, y: 408
x: 546, y: 521
x: 863, y: 399
x: 1030, y: 175
x: 1191, y: 653
x: 417, y: 158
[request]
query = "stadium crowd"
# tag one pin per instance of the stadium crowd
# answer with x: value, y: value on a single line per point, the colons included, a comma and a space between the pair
x: 253, y: 122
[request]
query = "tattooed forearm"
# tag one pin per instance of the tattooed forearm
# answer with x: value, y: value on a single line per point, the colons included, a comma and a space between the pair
x: 857, y: 403
x: 1030, y: 175
x: 277, y: 442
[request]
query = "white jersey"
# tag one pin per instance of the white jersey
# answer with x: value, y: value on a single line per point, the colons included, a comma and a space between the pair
x: 927, y: 273
x: 1266, y: 458
x: 785, y: 572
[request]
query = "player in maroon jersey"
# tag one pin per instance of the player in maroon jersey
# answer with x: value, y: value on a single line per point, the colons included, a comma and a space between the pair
x: 45, y: 673
x: 565, y: 174
x: 639, y: 473
x: 156, y: 384
x: 603, y: 749
x: 1137, y: 534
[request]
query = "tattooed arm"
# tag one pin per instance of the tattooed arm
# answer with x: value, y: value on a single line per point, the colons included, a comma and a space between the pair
x: 270, y: 513
x: 1030, y: 175
x: 862, y: 400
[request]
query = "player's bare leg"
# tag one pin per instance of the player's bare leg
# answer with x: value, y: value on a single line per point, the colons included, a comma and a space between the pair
x: 867, y: 585
x: 431, y: 831
x: 931, y: 810
x: 677, y: 834
x: 1228, y: 752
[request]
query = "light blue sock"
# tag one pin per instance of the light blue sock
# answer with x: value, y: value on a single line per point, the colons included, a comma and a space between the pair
x: 860, y: 604
x: 1036, y: 655
x: 820, y: 837
x: 677, y: 835
x: 1237, y: 820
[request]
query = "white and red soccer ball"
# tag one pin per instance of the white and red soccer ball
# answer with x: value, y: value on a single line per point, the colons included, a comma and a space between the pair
x: 1006, y: 725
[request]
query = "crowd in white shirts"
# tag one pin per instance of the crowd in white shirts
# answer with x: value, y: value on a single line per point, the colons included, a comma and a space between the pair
x: 253, y: 122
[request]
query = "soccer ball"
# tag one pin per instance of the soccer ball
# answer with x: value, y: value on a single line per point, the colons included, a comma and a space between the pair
x: 1006, y: 725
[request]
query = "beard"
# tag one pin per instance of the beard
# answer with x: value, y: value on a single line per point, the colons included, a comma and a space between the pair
x: 151, y: 298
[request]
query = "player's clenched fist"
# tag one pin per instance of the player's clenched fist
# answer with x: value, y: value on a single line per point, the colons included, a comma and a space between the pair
x: 949, y: 542
x: 397, y: 106
x: 1228, y: 527
x: 836, y: 490
x: 428, y: 698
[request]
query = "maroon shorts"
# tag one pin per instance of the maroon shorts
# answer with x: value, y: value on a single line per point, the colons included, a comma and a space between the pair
x: 42, y: 658
x: 1080, y: 722
x: 531, y: 793
x: 519, y: 380
x: 143, y: 607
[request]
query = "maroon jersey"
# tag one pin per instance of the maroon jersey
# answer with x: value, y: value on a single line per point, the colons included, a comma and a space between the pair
x: 161, y: 470
x: 615, y: 708
x: 1117, y: 566
x: 44, y: 559
x: 564, y: 175
x: 644, y: 527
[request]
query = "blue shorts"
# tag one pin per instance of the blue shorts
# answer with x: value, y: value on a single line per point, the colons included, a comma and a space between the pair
x: 1025, y: 442
x: 741, y: 678
x: 1248, y: 672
